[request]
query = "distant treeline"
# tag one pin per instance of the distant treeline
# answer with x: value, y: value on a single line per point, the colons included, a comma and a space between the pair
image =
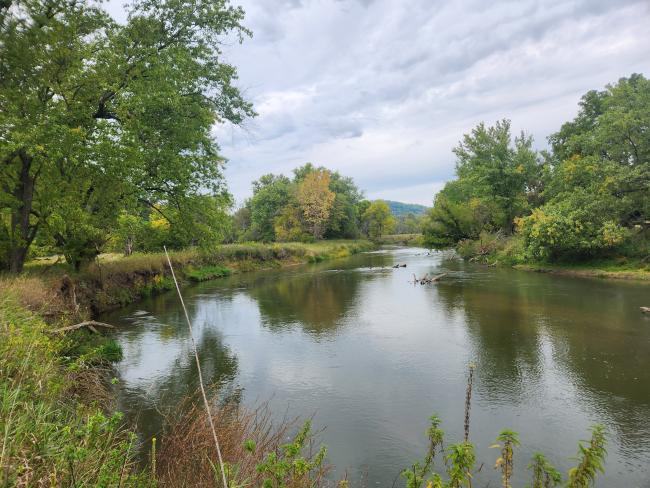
x: 316, y: 203
x: 586, y: 197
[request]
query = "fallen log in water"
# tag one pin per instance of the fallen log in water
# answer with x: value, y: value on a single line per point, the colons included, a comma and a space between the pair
x: 645, y: 309
x: 90, y: 324
x: 425, y: 280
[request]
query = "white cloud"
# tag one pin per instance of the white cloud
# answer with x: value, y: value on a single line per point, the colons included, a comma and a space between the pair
x: 383, y: 89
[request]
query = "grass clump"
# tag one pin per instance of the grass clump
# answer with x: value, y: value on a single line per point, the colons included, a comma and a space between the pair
x: 206, y: 273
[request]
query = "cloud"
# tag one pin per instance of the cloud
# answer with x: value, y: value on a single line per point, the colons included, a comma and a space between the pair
x: 382, y: 90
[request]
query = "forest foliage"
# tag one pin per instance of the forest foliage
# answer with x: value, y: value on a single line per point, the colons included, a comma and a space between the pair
x: 586, y: 197
x: 101, y: 122
x: 316, y: 203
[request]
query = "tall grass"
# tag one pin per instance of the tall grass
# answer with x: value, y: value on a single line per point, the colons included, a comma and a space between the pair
x: 49, y: 436
x: 255, y: 449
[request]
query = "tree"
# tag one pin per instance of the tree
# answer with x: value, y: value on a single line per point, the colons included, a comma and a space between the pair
x: 343, y: 221
x: 606, y: 149
x: 458, y: 215
x: 379, y: 219
x: 289, y: 224
x: 498, y: 169
x: 316, y: 200
x: 97, y: 117
x: 270, y: 195
x: 598, y: 190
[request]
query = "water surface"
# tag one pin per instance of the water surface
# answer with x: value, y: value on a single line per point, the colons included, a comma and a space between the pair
x: 373, y: 356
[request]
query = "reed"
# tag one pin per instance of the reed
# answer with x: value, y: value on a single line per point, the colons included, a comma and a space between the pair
x: 254, y: 447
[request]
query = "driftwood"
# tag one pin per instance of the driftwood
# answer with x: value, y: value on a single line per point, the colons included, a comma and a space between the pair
x: 90, y: 324
x: 645, y: 309
x: 426, y: 279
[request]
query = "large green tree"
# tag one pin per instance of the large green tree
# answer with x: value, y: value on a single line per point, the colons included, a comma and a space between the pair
x: 96, y: 117
x: 271, y: 193
x: 499, y: 168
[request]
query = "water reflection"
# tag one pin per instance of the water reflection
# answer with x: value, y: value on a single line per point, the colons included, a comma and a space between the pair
x: 373, y: 356
x: 585, y: 337
x: 159, y: 367
x: 317, y: 303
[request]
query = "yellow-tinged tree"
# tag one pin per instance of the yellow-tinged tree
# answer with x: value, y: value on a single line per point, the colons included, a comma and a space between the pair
x: 379, y: 218
x: 316, y: 200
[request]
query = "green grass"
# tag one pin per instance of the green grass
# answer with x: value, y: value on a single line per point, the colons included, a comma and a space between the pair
x: 50, y: 435
x: 206, y: 273
x: 403, y: 239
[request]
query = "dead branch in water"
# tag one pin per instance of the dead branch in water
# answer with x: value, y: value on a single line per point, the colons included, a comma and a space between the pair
x: 425, y: 280
x: 90, y: 324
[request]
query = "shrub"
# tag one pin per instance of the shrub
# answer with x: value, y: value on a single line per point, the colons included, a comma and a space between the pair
x: 577, y: 226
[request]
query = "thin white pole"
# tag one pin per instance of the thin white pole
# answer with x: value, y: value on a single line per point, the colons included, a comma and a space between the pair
x: 198, y: 368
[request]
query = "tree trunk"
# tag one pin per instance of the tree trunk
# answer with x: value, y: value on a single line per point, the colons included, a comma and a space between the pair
x: 22, y: 231
x: 128, y: 246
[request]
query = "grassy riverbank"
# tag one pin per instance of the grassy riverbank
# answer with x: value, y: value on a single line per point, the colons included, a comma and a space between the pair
x: 596, y: 269
x: 497, y: 250
x: 54, y: 434
x: 415, y: 240
x: 54, y: 290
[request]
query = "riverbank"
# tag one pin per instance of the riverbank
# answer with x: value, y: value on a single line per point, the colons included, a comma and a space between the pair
x: 410, y: 240
x: 55, y: 292
x: 605, y: 271
x: 54, y: 431
x: 495, y: 250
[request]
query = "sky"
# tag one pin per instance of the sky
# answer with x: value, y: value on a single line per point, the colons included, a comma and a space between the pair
x: 382, y: 90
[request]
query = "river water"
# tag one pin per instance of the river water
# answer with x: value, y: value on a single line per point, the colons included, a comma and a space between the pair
x: 372, y: 356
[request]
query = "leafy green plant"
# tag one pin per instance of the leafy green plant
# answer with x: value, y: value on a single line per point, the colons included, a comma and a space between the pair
x: 544, y: 474
x: 506, y: 440
x: 288, y: 467
x: 416, y: 475
x: 591, y: 458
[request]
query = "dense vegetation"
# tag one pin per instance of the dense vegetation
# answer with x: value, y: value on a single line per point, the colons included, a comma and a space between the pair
x: 315, y: 203
x: 588, y: 197
x: 101, y: 121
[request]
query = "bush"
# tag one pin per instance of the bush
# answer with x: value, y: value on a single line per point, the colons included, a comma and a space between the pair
x: 576, y: 226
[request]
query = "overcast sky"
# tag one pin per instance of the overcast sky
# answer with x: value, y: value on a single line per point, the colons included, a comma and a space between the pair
x: 382, y: 90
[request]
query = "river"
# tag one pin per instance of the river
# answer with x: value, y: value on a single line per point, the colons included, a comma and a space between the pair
x: 372, y: 356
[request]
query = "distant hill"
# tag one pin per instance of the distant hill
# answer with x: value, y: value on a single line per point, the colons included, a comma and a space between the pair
x: 400, y: 208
